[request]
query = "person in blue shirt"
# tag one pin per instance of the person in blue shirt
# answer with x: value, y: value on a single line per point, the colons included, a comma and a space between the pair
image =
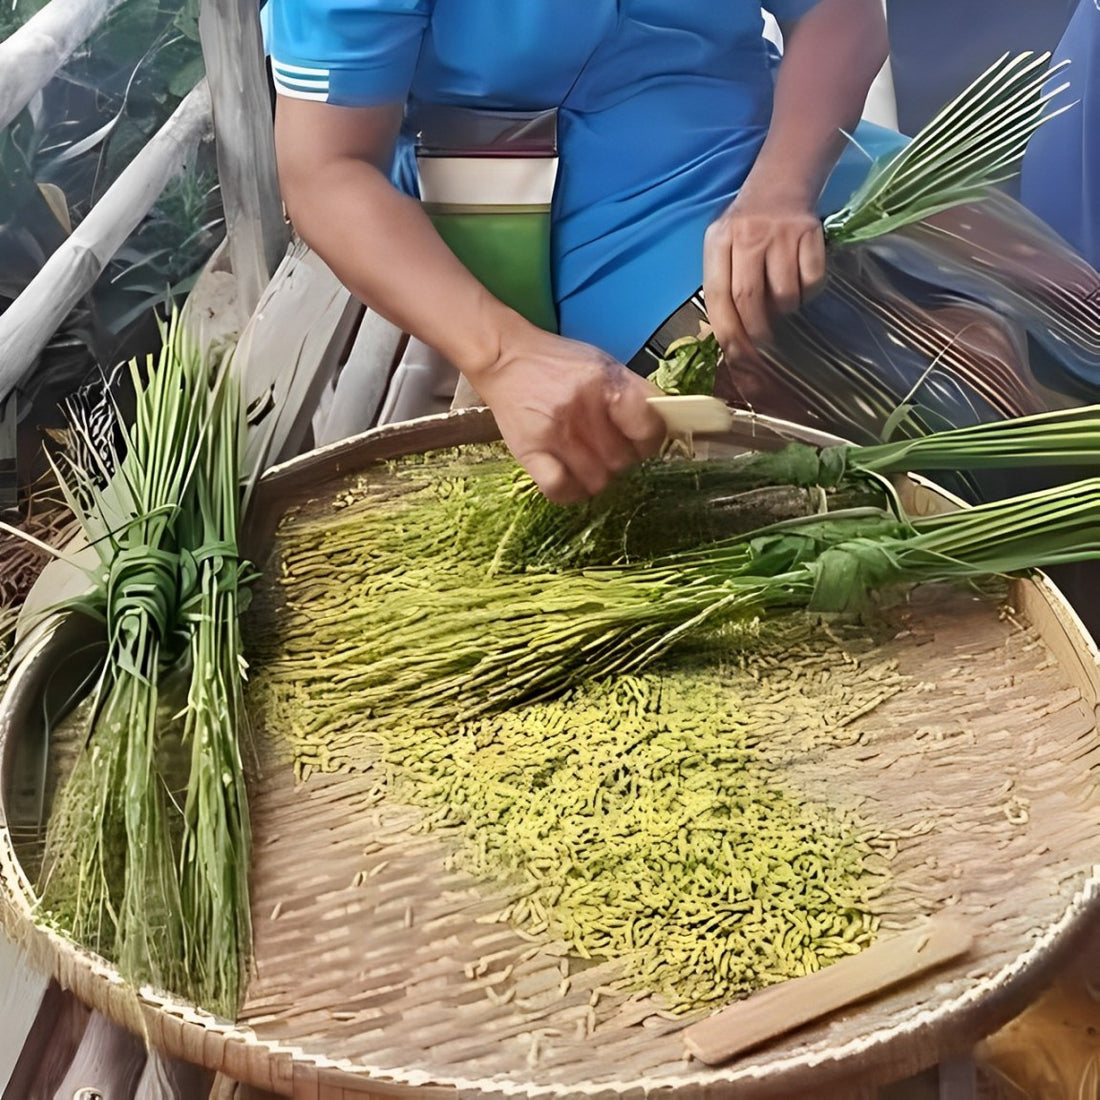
x: 684, y: 161
x: 1060, y: 178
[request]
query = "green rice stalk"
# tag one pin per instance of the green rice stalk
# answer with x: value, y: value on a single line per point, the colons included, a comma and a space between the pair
x: 975, y: 142
x: 215, y: 848
x: 1061, y: 438
x: 666, y: 505
x: 477, y: 644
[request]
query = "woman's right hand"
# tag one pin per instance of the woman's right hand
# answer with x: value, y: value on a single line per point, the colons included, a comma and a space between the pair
x: 572, y: 416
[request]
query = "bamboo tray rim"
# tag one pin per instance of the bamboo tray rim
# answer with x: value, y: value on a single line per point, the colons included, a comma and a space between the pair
x: 183, y: 1030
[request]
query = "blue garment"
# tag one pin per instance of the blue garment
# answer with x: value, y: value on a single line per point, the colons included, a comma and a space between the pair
x: 663, y: 105
x: 1060, y: 179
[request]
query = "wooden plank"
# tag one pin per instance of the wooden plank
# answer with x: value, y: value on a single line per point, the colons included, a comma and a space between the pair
x: 22, y: 988
x: 781, y: 1008
x: 31, y: 55
x: 255, y: 225
x: 27, y: 325
x: 213, y: 312
x: 363, y: 380
x: 288, y: 352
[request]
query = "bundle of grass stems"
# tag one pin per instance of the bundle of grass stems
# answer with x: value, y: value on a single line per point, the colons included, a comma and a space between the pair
x: 603, y: 589
x: 972, y: 144
x: 146, y: 856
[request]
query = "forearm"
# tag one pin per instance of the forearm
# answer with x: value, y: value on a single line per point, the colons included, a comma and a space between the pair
x: 831, y: 55
x: 383, y: 247
x: 571, y: 415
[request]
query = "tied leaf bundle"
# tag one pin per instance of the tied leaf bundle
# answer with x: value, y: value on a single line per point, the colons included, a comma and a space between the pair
x: 975, y: 142
x: 143, y: 865
x: 1060, y: 438
x: 690, y: 365
x: 214, y: 851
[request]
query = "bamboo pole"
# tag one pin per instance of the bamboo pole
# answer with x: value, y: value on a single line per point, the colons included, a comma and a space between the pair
x: 32, y: 54
x: 255, y: 227
x: 27, y: 325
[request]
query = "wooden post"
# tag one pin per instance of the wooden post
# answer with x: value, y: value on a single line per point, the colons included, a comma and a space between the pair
x: 22, y: 988
x: 34, y: 52
x: 29, y: 322
x: 241, y: 100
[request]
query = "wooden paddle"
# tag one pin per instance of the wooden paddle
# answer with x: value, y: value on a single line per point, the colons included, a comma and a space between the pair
x: 782, y: 1008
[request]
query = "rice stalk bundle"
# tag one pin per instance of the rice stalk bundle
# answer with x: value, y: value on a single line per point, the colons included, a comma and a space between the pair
x: 666, y: 505
x: 214, y: 851
x: 558, y: 629
x: 572, y: 594
x: 109, y: 875
x: 143, y: 865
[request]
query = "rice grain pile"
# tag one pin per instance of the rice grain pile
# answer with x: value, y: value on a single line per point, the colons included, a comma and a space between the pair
x: 657, y: 819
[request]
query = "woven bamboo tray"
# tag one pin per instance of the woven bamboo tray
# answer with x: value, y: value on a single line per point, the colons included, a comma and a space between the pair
x: 376, y: 975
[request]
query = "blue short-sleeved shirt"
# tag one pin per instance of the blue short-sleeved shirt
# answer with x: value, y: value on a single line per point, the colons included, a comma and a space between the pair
x: 663, y: 105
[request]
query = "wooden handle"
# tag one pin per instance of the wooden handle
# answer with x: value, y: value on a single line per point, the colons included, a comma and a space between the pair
x: 781, y: 1008
x: 693, y: 413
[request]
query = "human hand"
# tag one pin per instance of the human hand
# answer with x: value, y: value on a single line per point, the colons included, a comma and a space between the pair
x: 572, y: 416
x: 761, y: 258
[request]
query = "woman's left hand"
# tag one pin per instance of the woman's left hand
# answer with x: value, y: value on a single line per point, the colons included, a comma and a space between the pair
x: 761, y: 258
x: 766, y: 254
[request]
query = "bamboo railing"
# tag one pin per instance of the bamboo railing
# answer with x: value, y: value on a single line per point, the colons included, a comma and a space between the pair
x: 27, y: 325
x: 236, y: 103
x: 31, y: 56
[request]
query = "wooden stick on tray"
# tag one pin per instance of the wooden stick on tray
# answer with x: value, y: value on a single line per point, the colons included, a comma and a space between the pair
x: 781, y: 1008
